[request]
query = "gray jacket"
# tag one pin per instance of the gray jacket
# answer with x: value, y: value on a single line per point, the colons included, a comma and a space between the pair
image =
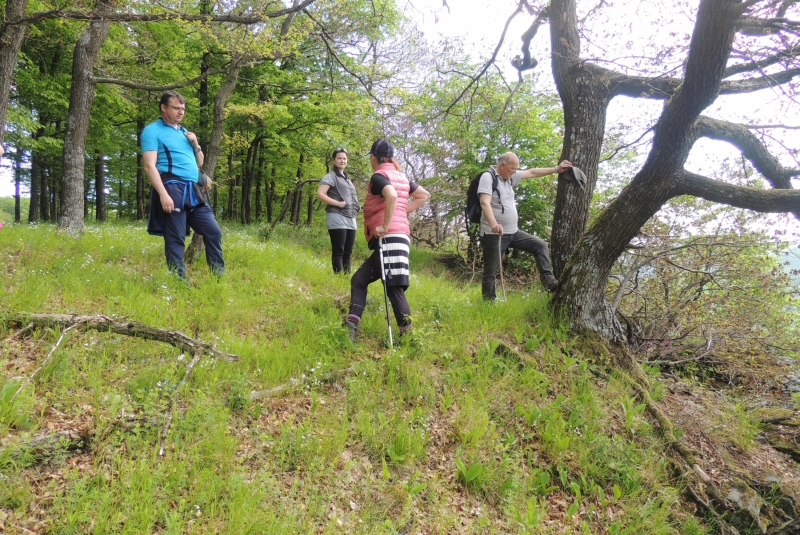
x: 343, y: 191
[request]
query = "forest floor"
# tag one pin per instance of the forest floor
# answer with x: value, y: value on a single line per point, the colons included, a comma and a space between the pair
x: 491, y: 419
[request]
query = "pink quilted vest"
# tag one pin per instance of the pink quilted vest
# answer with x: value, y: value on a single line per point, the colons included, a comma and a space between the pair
x: 374, y: 204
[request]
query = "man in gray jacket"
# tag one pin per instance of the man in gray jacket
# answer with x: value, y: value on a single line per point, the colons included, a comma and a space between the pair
x: 499, y: 221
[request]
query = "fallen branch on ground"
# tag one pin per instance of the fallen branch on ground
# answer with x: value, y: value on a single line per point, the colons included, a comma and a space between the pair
x: 325, y: 378
x: 128, y: 328
x: 20, y: 332
x: 168, y: 423
x: 46, y: 359
x: 44, y: 446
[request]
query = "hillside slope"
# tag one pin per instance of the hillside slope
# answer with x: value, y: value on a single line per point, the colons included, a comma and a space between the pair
x: 491, y: 419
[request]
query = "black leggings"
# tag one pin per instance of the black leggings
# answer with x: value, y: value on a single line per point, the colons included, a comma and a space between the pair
x: 342, y: 241
x: 369, y: 272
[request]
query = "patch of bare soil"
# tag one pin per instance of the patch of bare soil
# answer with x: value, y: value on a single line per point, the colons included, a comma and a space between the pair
x: 744, y: 422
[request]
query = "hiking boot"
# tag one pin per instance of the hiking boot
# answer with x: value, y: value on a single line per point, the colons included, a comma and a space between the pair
x: 351, y: 322
x: 549, y: 282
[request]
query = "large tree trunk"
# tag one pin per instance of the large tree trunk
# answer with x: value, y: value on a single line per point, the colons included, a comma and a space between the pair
x: 585, y: 97
x: 80, y: 106
x: 11, y: 38
x: 584, y: 278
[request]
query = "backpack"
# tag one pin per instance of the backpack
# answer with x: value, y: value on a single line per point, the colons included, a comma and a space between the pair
x: 473, y: 210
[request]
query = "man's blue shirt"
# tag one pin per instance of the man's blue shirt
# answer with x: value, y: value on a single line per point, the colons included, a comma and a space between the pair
x: 175, y: 153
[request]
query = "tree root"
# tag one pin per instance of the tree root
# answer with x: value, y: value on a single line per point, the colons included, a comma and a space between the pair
x: 100, y: 322
x: 686, y: 461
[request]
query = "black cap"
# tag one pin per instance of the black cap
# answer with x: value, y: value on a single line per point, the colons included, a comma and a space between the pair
x: 382, y: 148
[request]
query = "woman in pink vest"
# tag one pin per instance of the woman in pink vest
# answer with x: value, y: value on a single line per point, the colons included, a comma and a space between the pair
x: 390, y: 198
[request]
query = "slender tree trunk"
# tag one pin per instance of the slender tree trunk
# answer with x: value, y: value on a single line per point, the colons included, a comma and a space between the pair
x: 99, y: 187
x: 11, y: 38
x: 310, y: 209
x: 214, y: 146
x: 80, y: 107
x: 271, y: 195
x: 46, y: 195
x: 247, y: 182
x: 141, y: 182
x: 218, y: 125
x: 298, y: 193
x: 259, y: 181
x: 36, y: 184
x: 17, y: 183
x: 229, y: 215
x: 85, y: 197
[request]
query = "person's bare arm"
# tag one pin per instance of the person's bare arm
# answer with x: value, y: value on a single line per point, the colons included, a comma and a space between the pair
x: 418, y: 198
x: 537, y: 172
x: 488, y: 213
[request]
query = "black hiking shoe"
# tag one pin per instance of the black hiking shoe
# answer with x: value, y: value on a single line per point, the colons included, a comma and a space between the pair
x: 549, y: 282
x: 352, y: 329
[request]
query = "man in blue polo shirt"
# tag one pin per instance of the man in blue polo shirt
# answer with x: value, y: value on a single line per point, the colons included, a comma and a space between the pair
x: 172, y: 158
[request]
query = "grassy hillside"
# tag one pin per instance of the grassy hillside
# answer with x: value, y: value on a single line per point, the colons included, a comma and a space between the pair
x: 491, y: 419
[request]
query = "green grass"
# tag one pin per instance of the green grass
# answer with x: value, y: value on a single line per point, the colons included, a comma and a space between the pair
x: 445, y: 434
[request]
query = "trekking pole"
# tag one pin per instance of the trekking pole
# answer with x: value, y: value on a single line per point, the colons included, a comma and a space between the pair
x: 385, y: 293
x: 500, y: 259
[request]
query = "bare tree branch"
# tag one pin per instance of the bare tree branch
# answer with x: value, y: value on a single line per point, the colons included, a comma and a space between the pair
x: 489, y: 62
x: 770, y: 201
x: 751, y: 148
x: 661, y: 88
x: 128, y: 328
x: 327, y: 39
x: 148, y: 87
x: 754, y: 66
x: 756, y: 26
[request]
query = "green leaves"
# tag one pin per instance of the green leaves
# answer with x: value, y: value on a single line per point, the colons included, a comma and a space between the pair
x: 469, y: 476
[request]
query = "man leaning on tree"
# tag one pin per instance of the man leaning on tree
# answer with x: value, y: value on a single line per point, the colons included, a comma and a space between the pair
x: 172, y: 159
x: 499, y: 221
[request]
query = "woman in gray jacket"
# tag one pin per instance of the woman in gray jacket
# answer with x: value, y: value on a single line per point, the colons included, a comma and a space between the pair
x: 338, y: 192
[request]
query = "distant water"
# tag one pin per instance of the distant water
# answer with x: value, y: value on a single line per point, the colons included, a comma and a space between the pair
x: 792, y: 260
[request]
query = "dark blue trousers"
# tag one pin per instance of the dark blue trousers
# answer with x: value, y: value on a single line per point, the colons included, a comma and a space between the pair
x: 201, y: 220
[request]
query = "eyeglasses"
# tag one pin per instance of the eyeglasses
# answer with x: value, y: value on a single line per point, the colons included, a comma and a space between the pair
x: 340, y: 149
x: 177, y: 108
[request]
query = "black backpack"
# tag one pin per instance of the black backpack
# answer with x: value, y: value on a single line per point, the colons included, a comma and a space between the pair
x: 473, y: 210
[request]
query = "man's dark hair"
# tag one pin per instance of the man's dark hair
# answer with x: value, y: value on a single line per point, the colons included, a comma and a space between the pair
x: 169, y: 95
